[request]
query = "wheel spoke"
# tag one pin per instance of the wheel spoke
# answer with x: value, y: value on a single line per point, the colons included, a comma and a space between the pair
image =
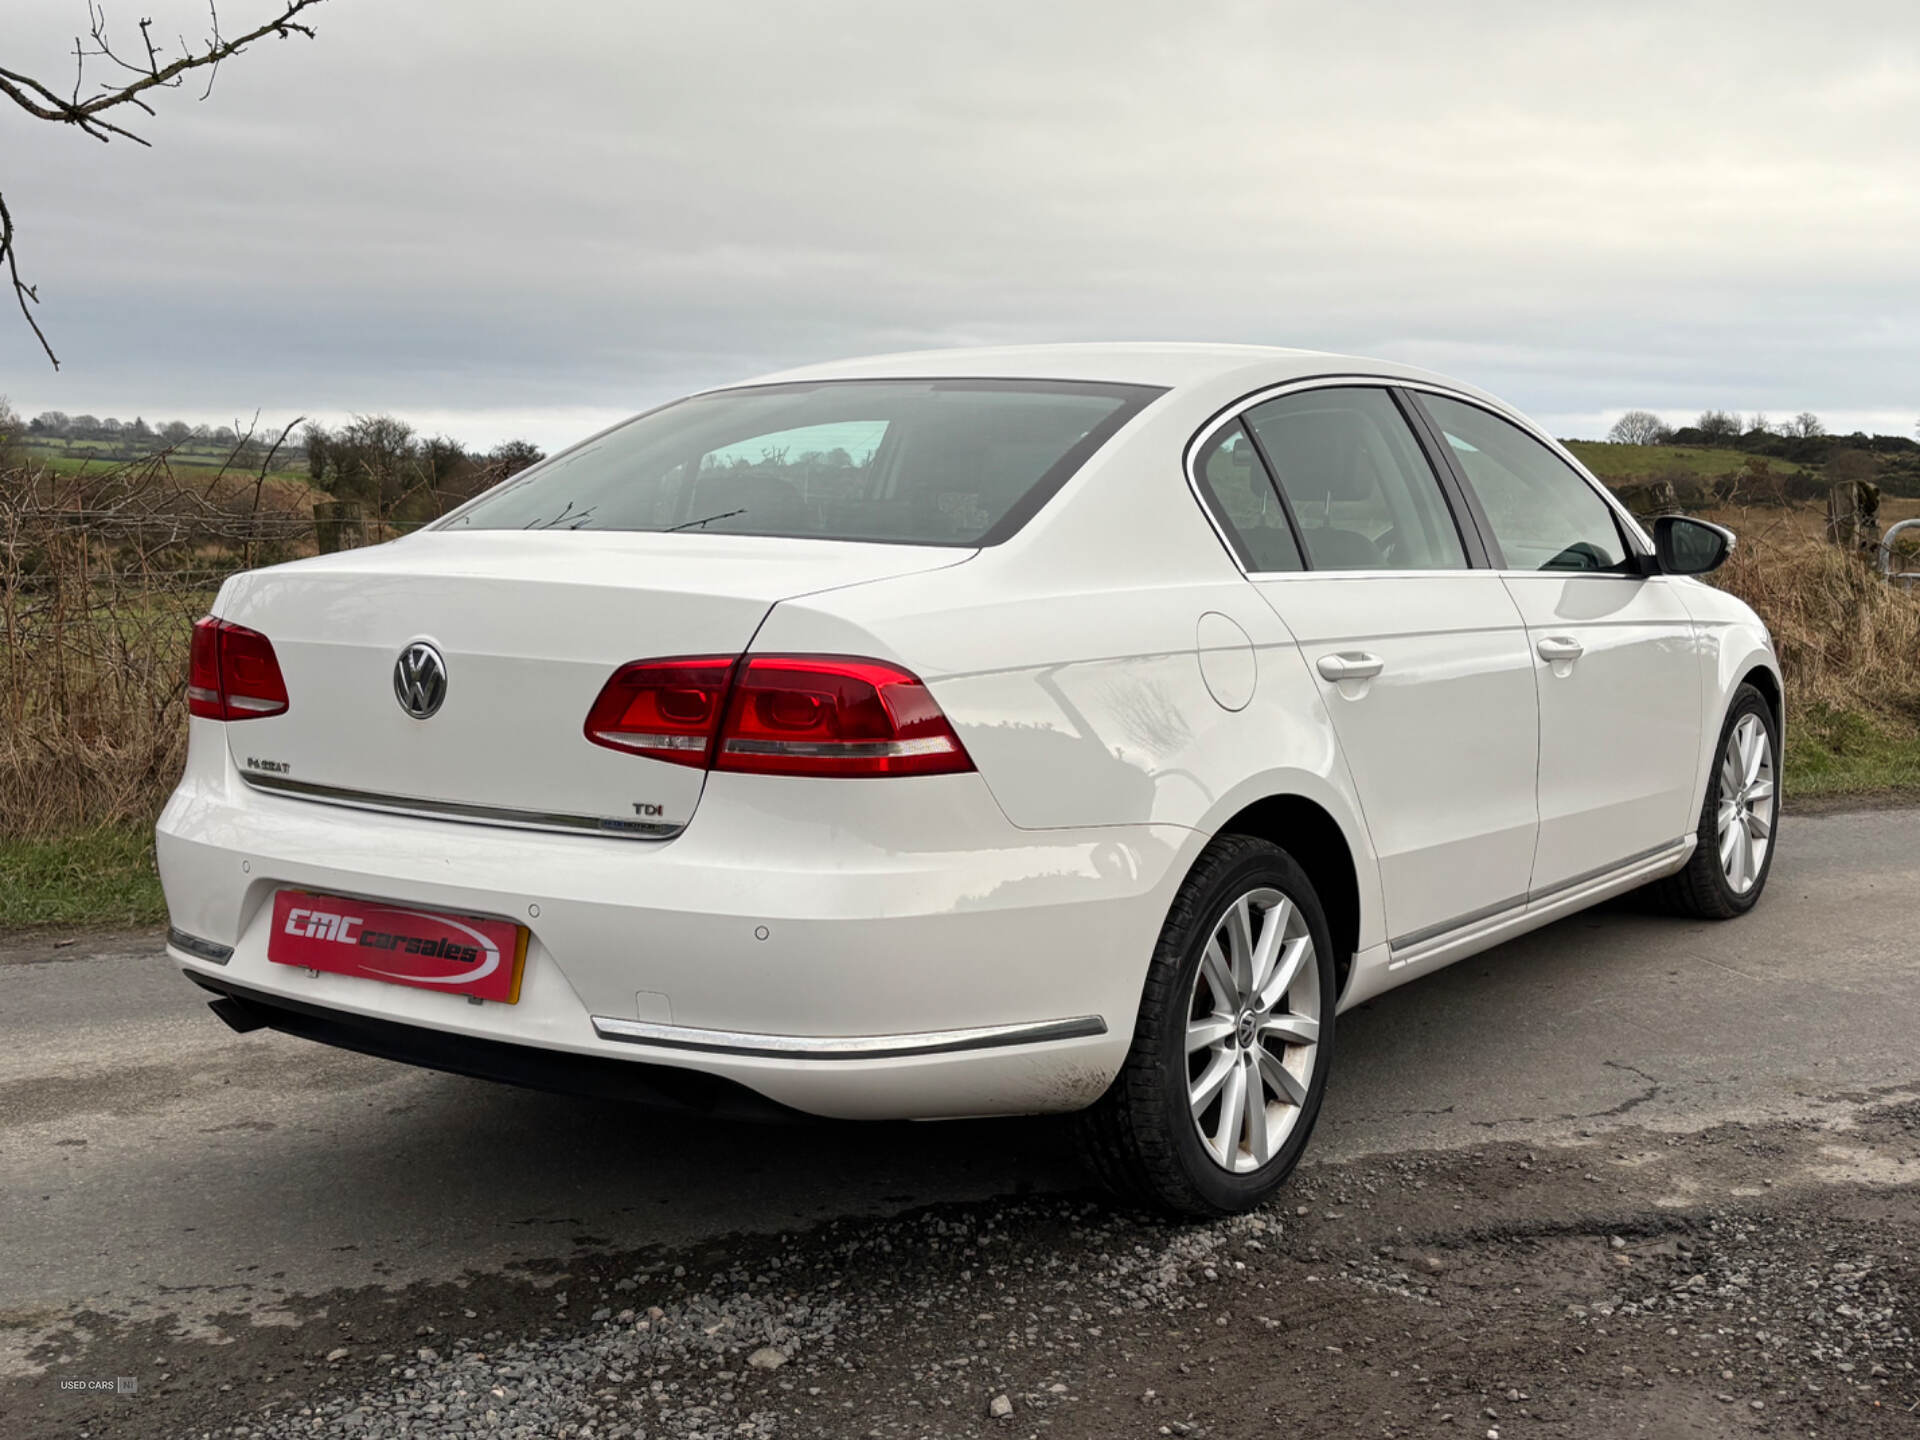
x: 1729, y: 847
x: 1240, y: 945
x: 1760, y: 790
x: 1290, y: 1029
x: 1293, y: 956
x: 1233, y: 1111
x: 1208, y: 1030
x: 1730, y: 780
x: 1285, y: 1083
x: 1755, y: 749
x: 1211, y: 1079
x: 1742, y: 873
x: 1273, y: 931
x: 1219, y: 974
x: 1259, y: 1137
x: 1759, y: 827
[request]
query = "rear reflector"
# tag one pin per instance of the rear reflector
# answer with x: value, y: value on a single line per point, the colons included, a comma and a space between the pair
x: 778, y: 715
x: 233, y: 674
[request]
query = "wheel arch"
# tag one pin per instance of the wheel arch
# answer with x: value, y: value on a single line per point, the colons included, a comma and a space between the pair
x: 1763, y: 679
x: 1309, y: 833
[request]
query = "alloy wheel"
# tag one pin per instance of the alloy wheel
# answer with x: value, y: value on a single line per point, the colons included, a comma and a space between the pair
x: 1253, y: 1026
x: 1747, y: 803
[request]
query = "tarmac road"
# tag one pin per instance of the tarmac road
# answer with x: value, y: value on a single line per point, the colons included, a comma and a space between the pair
x: 155, y: 1166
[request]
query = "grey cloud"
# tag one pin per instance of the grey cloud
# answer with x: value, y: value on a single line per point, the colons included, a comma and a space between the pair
x: 507, y: 214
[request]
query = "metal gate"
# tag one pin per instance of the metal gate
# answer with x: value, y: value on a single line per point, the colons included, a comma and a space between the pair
x: 1890, y: 560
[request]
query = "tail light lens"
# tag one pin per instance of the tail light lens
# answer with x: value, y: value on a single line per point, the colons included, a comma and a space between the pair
x: 233, y: 674
x: 668, y: 709
x: 778, y: 715
x: 800, y: 715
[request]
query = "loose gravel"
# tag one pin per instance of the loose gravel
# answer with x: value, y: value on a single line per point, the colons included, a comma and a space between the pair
x: 1743, y: 1281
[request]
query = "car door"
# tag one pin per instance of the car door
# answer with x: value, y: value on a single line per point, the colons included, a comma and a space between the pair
x: 1420, y: 656
x: 1616, y: 659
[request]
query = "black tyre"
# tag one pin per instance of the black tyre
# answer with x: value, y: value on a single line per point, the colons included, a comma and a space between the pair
x: 1223, y: 1084
x: 1738, y: 819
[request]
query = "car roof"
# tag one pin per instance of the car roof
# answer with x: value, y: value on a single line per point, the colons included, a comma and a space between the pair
x: 1170, y: 364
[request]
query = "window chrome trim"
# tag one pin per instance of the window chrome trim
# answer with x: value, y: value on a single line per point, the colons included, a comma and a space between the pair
x: 507, y: 817
x: 199, y: 949
x: 1234, y: 411
x: 843, y: 1047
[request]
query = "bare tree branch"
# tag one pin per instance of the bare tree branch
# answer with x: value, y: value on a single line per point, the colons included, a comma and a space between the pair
x: 86, y: 112
x: 23, y: 292
x: 43, y: 103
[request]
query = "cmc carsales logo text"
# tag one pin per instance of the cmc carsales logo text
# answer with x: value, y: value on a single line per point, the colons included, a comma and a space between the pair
x: 350, y: 930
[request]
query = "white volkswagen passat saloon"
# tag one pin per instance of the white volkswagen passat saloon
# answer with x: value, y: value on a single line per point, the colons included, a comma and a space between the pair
x: 968, y: 733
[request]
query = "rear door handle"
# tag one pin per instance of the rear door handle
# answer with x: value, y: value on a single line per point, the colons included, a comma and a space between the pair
x: 1353, y: 665
x: 1560, y: 647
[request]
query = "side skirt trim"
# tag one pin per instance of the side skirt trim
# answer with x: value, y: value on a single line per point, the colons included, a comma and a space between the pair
x: 1490, y: 921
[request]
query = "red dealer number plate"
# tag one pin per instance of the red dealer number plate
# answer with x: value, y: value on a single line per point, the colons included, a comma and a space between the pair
x: 461, y: 955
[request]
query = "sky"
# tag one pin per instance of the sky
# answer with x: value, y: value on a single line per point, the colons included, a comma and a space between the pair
x: 495, y: 218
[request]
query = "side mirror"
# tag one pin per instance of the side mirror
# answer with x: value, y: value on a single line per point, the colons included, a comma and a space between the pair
x: 1685, y: 546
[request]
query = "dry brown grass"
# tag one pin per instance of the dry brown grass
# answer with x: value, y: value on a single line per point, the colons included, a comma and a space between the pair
x: 1848, y: 640
x: 101, y: 579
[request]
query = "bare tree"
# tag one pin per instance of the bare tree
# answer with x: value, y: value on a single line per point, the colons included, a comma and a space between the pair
x: 11, y: 428
x: 1717, y: 425
x: 151, y: 69
x: 1639, y: 427
x: 1806, y: 426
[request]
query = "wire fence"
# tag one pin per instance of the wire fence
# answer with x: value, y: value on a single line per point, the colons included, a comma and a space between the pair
x: 101, y: 579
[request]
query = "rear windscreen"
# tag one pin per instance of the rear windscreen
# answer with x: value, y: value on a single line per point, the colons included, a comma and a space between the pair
x: 924, y: 462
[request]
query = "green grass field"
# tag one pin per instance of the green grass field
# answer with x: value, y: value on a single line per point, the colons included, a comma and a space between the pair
x: 1622, y: 462
x: 74, y: 457
x: 96, y: 878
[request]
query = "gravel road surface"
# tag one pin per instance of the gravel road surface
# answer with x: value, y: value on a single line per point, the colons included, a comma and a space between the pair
x: 1626, y: 1176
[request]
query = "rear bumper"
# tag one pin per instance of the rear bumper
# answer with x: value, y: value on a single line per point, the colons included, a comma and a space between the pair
x: 656, y: 1086
x: 890, y: 949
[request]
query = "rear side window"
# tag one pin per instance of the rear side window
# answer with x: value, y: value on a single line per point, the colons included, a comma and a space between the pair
x: 923, y: 462
x: 1542, y: 514
x: 1245, y: 502
x: 1362, y: 492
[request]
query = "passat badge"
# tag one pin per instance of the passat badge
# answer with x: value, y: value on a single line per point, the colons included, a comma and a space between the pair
x: 420, y: 680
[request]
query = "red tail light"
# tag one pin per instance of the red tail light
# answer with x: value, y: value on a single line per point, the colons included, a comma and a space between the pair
x: 807, y: 715
x: 233, y: 674
x: 668, y: 709
x: 783, y: 715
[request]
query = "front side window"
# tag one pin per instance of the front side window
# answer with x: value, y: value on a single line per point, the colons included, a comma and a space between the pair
x: 1244, y: 499
x: 1543, y: 515
x: 922, y: 462
x: 1361, y: 490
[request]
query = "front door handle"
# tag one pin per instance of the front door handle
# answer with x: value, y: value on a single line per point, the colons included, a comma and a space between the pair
x: 1353, y: 665
x: 1560, y: 647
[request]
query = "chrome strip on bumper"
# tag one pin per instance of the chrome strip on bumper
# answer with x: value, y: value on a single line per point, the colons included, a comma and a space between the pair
x: 843, y: 1047
x: 198, y: 948
x: 463, y: 813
